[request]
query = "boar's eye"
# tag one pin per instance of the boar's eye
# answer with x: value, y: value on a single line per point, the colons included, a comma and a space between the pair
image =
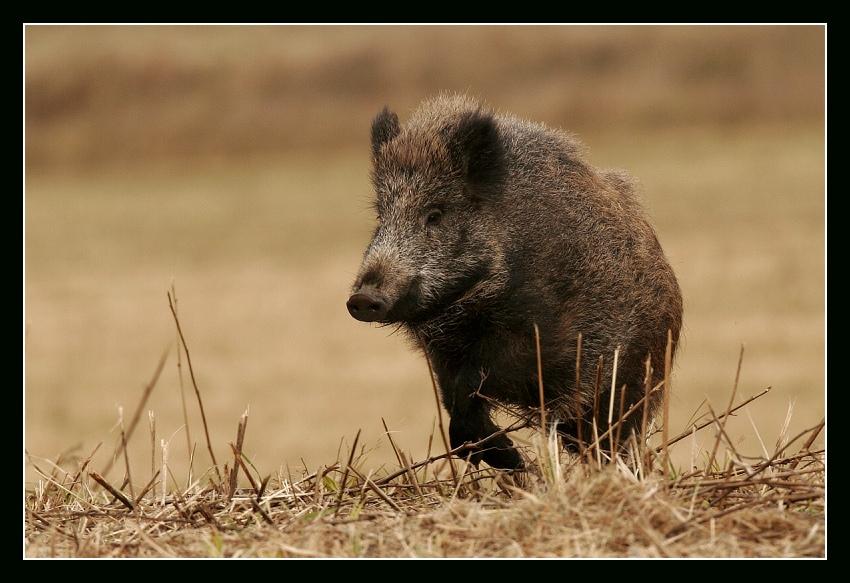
x: 433, y: 218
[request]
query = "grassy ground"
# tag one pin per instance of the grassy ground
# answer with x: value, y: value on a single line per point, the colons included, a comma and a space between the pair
x: 724, y: 504
x: 601, y: 515
x: 235, y: 165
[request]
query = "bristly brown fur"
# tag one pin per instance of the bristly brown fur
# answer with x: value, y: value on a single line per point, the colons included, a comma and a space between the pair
x: 384, y: 128
x: 529, y: 233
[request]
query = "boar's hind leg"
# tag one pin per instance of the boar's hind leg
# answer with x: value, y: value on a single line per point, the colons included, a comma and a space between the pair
x: 474, y: 424
x: 569, y: 432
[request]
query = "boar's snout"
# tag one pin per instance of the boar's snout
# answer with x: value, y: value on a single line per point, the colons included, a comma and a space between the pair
x: 367, y: 305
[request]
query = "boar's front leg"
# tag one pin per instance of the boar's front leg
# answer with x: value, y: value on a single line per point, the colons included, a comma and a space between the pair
x: 470, y: 423
x: 475, y: 424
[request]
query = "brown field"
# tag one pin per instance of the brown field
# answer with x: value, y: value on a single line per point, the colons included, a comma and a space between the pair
x: 234, y: 163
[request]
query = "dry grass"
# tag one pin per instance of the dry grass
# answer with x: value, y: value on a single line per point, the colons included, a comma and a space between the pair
x: 235, y: 163
x: 119, y: 94
x: 592, y: 504
x: 604, y: 514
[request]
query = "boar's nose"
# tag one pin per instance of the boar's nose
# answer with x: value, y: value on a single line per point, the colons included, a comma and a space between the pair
x: 367, y: 306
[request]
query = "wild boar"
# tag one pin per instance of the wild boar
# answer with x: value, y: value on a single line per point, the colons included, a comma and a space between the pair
x: 489, y: 225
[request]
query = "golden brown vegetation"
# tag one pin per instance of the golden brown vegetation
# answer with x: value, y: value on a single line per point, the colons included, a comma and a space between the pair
x: 594, y: 503
x: 235, y: 162
x: 589, y: 513
x: 98, y: 94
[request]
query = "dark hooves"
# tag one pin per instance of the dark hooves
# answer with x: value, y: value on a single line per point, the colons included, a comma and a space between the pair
x: 501, y: 454
x: 498, y: 451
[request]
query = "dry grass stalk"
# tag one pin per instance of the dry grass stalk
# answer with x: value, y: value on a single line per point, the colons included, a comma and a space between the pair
x: 402, y: 460
x: 810, y: 441
x: 619, y: 421
x: 152, y: 431
x: 412, y: 474
x: 344, y: 482
x: 540, y: 379
x: 647, y: 386
x: 263, y: 485
x: 195, y: 385
x: 443, y: 435
x: 392, y: 443
x: 466, y: 447
x: 164, y: 469
x: 783, y: 433
x: 580, y: 413
x: 240, y: 463
x: 83, y: 466
x: 138, y: 412
x: 721, y: 432
x: 722, y: 426
x: 183, y: 407
x: 698, y: 427
x: 255, y: 505
x: 116, y: 493
x: 613, y: 387
x: 596, y: 444
x: 240, y: 437
x: 127, y: 477
x: 148, y: 487
x: 668, y: 359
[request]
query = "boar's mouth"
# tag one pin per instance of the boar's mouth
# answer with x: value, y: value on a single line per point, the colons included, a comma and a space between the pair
x: 407, y: 305
x: 413, y: 309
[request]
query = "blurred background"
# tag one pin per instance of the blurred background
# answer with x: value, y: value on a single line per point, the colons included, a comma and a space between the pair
x: 233, y: 161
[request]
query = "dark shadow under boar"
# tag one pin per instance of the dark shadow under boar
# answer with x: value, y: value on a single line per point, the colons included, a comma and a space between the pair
x: 488, y: 225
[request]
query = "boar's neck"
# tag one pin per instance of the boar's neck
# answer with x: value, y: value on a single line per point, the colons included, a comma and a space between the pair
x: 467, y: 307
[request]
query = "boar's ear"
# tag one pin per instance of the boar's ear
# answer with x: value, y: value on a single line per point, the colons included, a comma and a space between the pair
x: 476, y: 147
x: 385, y: 127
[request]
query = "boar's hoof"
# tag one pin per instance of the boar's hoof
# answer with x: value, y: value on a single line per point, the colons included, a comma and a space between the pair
x: 501, y: 454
